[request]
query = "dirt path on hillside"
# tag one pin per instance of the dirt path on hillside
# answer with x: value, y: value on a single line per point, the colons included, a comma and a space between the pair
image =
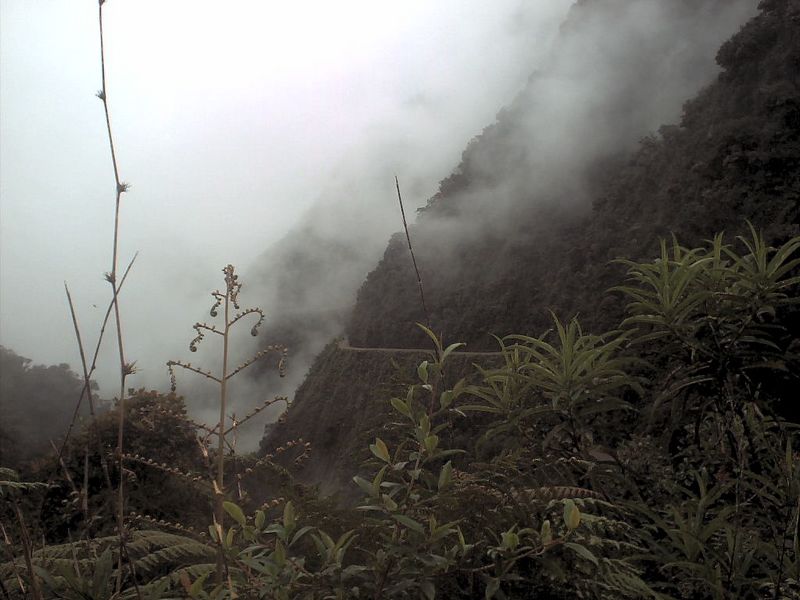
x: 344, y: 345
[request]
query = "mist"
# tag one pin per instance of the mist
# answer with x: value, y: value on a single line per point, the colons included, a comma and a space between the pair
x: 269, y: 138
x: 234, y: 124
x: 618, y: 71
x: 615, y: 72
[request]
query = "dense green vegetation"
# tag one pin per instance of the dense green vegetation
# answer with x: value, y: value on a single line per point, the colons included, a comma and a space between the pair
x: 36, y: 405
x: 644, y: 446
x: 649, y: 461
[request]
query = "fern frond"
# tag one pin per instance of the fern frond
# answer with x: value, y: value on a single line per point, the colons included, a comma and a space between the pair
x: 190, y: 551
x: 556, y: 492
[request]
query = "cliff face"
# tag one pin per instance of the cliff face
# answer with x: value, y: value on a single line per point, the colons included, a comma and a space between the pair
x: 500, y: 246
x: 543, y: 201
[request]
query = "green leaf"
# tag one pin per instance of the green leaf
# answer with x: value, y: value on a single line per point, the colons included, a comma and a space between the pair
x: 572, y: 516
x: 425, y: 425
x: 450, y: 349
x: 510, y: 540
x: 380, y: 450
x: 401, y: 407
x: 409, y: 522
x: 431, y: 442
x: 377, y: 480
x: 288, y: 515
x: 300, y: 533
x: 326, y: 539
x: 235, y: 512
x: 492, y: 586
x: 446, y: 399
x: 388, y: 502
x: 279, y: 555
x: 582, y: 551
x: 445, y: 475
x: 197, y: 585
x: 365, y: 485
x: 433, y: 336
x: 261, y: 518
x: 422, y: 371
x: 546, y: 533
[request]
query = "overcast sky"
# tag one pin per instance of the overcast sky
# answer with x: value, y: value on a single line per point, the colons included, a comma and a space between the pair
x: 230, y: 120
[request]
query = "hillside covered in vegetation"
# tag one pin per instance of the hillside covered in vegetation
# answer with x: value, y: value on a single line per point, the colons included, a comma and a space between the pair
x: 734, y: 155
x: 630, y: 432
x: 37, y: 403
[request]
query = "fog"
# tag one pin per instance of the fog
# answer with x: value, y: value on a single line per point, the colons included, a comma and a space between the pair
x: 230, y: 121
x: 267, y: 135
x: 619, y: 70
x: 616, y: 71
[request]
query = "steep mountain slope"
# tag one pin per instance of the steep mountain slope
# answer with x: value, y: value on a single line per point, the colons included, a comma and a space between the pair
x: 496, y: 261
x: 587, y: 104
x: 732, y: 157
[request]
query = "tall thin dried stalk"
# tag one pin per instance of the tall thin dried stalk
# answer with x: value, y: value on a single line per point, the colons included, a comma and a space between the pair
x: 229, y: 301
x: 413, y: 258
x: 125, y: 368
x: 93, y: 366
x: 89, y: 371
x: 27, y: 552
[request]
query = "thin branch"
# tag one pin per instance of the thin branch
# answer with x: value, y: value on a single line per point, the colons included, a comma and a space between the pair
x: 87, y: 385
x: 189, y: 367
x: 413, y: 258
x: 208, y: 327
x: 93, y: 366
x: 256, y: 410
x: 85, y: 496
x: 86, y: 381
x: 210, y: 432
x: 27, y: 548
x: 246, y: 312
x: 282, y: 350
x: 200, y: 335
x: 191, y: 477
x: 65, y: 470
x: 190, y: 531
x: 199, y: 425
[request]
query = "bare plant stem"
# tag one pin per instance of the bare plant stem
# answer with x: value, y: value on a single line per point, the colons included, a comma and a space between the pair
x: 216, y: 464
x: 124, y: 368
x: 93, y: 367
x: 88, y: 372
x: 85, y: 497
x: 413, y: 258
x: 88, y: 387
x: 86, y: 381
x: 66, y: 472
x: 220, y: 487
x: 27, y: 548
